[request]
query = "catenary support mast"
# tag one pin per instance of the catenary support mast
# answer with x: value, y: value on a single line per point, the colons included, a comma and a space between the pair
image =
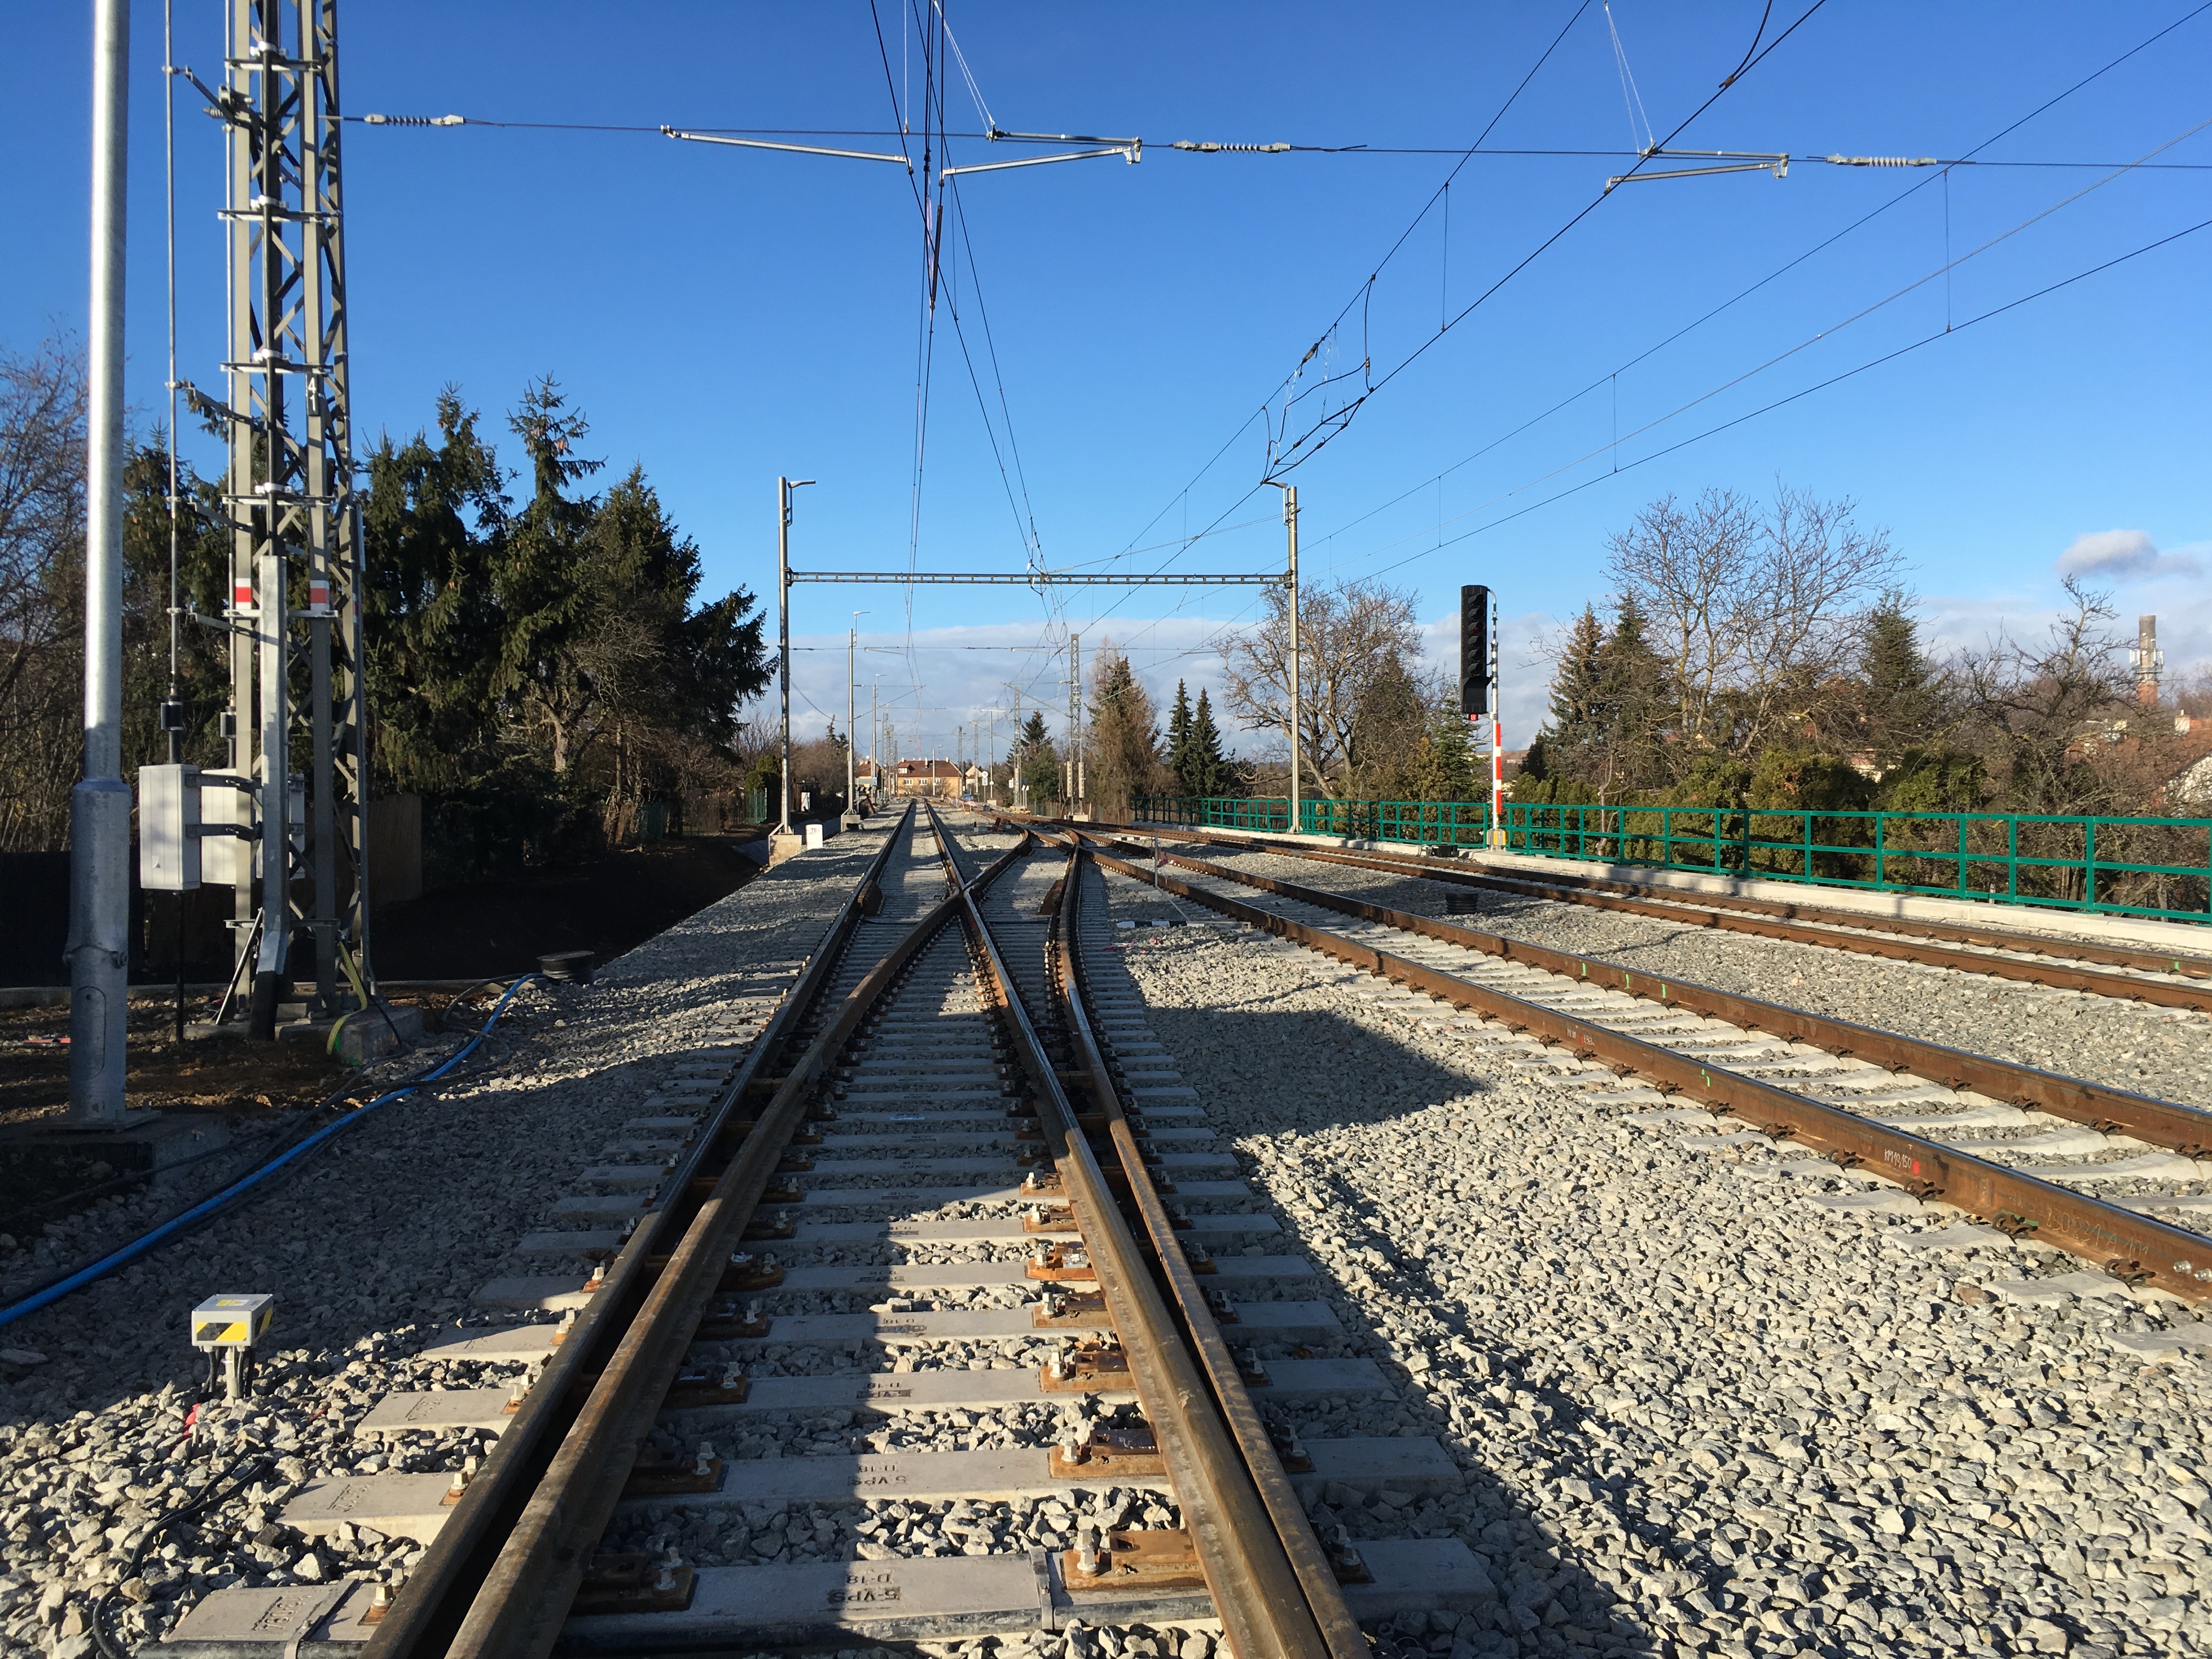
x: 99, y: 947
x: 296, y: 547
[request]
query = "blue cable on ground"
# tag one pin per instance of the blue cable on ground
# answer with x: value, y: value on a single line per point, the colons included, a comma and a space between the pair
x: 200, y: 1212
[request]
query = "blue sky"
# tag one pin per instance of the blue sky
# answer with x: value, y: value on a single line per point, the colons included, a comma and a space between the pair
x: 723, y: 316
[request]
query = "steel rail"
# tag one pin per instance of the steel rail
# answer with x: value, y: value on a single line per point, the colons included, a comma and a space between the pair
x: 1957, y: 933
x: 1960, y: 932
x: 1768, y: 919
x: 2180, y: 1128
x: 428, y: 1611
x: 2131, y: 1247
x: 519, y: 1611
x: 1257, y: 1591
x: 1285, y: 1512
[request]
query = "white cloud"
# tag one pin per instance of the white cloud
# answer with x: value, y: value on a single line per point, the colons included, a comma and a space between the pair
x: 2122, y: 554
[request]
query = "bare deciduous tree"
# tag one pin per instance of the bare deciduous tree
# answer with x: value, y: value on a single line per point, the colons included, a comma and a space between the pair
x: 1349, y: 636
x: 42, y: 436
x: 1757, y: 614
x: 2038, y: 714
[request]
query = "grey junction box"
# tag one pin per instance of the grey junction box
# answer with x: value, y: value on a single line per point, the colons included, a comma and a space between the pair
x: 169, y: 828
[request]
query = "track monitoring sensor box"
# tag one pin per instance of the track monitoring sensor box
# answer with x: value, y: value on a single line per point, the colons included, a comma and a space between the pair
x: 233, y: 1321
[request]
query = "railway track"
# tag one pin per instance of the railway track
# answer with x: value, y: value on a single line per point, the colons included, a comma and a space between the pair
x: 1009, y: 1346
x: 901, y: 1286
x: 2165, y: 978
x: 2001, y: 1141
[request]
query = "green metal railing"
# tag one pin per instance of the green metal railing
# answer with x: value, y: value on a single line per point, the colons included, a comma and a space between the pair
x: 2160, y: 867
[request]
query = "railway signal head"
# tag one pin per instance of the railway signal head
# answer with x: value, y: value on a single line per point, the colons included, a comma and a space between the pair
x: 1474, y: 651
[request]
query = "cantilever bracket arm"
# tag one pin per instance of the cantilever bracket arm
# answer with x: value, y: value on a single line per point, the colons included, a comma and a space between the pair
x: 1741, y: 160
x: 1133, y: 152
x: 795, y: 149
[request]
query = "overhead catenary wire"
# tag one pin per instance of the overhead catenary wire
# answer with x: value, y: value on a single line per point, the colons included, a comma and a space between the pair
x: 1743, y: 294
x: 1324, y: 431
x: 703, y: 129
x: 1947, y: 331
x: 1918, y: 282
x: 1261, y: 411
x: 1025, y: 518
x: 1279, y: 462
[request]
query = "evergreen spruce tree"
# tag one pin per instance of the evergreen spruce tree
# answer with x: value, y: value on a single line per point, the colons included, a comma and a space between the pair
x: 1574, y: 685
x: 1629, y: 712
x: 1390, y: 734
x: 1123, y: 758
x: 543, y: 575
x: 1450, y: 773
x: 431, y: 622
x: 1178, y: 755
x: 1902, y: 691
x: 1210, y: 774
x: 1036, y: 762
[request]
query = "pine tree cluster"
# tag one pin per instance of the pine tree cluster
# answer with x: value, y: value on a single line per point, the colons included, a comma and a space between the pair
x: 1194, y: 757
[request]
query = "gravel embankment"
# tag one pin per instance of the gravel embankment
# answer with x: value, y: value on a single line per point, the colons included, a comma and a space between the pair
x: 369, y: 1249
x: 1698, y: 1414
x: 2166, y: 1052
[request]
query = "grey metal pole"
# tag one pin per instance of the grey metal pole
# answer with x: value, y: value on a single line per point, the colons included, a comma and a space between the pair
x: 273, y: 632
x: 852, y: 649
x: 1298, y: 716
x: 99, y: 948
x: 783, y: 647
x: 1074, y: 741
x: 783, y: 489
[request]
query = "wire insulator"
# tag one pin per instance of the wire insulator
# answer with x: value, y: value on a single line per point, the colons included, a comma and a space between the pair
x: 415, y: 120
x: 1209, y: 148
x: 1882, y: 160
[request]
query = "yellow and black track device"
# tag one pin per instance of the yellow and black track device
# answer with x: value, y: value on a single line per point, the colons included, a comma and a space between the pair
x: 233, y: 1321
x: 232, y: 1326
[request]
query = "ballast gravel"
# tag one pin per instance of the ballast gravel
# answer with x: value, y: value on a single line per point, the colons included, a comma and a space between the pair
x: 2165, y: 1052
x: 1698, y: 1414
x: 371, y: 1248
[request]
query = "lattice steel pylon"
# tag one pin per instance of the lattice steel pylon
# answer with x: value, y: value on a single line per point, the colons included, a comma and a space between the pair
x: 298, y: 737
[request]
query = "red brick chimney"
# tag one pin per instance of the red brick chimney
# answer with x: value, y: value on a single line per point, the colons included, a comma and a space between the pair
x: 2149, y: 661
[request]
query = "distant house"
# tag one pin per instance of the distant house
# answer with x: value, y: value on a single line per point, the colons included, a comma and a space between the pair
x: 940, y: 779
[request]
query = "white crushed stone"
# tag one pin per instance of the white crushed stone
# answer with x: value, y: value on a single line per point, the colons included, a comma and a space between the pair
x: 2166, y: 1052
x: 368, y: 1248
x: 1696, y: 1415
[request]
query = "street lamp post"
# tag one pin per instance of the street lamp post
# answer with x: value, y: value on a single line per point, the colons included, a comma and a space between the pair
x: 783, y: 489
